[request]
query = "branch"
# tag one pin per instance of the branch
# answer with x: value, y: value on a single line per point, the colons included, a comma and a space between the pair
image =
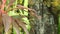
x: 10, y: 3
x: 22, y: 7
x: 31, y: 11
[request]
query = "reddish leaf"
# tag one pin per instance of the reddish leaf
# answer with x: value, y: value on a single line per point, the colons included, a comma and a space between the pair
x: 4, y: 1
x: 16, y: 27
x: 6, y: 22
x: 3, y: 4
x: 21, y: 24
x: 1, y: 24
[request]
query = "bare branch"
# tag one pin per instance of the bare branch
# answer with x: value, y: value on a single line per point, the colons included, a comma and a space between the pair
x: 22, y: 7
x: 31, y: 11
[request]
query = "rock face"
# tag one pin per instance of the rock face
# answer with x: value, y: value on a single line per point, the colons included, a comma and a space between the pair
x: 46, y: 24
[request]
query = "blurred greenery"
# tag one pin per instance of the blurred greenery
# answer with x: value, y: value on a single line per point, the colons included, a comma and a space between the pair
x: 54, y: 5
x: 59, y: 25
x: 13, y: 13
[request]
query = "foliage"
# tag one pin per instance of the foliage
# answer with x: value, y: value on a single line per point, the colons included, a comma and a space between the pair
x: 15, y: 16
x: 9, y: 21
x: 54, y: 4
